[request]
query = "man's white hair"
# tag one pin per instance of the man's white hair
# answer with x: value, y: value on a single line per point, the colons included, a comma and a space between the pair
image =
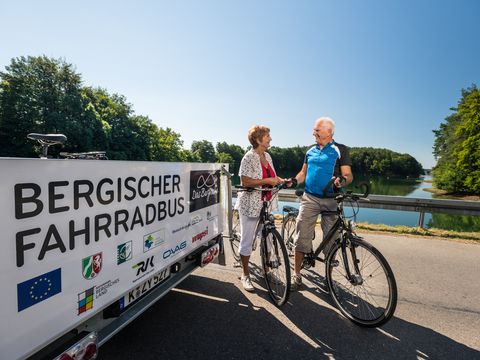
x: 328, y: 120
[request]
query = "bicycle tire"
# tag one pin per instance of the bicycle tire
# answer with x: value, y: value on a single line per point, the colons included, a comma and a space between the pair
x: 362, y: 301
x: 235, y: 235
x: 288, y: 231
x: 276, y: 267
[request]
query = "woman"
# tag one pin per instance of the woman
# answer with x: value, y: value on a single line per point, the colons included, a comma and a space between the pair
x: 256, y: 170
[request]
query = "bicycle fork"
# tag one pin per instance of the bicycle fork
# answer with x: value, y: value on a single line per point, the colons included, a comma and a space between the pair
x: 355, y: 278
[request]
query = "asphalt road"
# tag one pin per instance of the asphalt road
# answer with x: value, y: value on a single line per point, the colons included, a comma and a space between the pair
x: 209, y: 316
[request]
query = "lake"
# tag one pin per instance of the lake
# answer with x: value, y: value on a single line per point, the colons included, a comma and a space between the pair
x: 412, y: 188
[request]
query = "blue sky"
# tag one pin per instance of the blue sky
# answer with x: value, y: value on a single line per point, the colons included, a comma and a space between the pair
x: 387, y: 72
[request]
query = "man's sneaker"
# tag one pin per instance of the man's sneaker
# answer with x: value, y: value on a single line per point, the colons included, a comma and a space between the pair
x: 247, y: 283
x: 273, y: 278
x: 296, y: 282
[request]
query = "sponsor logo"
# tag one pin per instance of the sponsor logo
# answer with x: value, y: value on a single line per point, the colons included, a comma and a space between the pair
x: 184, y: 227
x: 211, y: 217
x: 196, y: 219
x: 169, y: 252
x: 85, y: 300
x: 153, y: 240
x: 204, y: 189
x: 124, y: 252
x: 39, y: 288
x: 102, y: 289
x: 200, y: 236
x: 144, y: 268
x: 91, y: 266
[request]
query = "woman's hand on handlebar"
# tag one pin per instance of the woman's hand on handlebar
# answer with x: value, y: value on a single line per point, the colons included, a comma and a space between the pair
x: 273, y: 181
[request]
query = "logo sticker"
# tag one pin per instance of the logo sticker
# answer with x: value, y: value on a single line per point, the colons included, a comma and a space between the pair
x: 204, y: 189
x: 200, y: 236
x: 91, y: 266
x: 85, y: 300
x: 153, y: 240
x: 39, y: 288
x: 124, y: 252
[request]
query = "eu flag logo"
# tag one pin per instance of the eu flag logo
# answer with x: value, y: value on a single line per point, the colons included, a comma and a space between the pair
x: 39, y: 288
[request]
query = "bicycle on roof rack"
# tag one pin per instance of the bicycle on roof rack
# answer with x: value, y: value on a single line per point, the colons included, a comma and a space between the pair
x: 359, y: 278
x: 47, y: 140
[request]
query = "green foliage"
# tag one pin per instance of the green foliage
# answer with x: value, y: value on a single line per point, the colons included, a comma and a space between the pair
x: 204, y: 151
x: 457, y: 147
x: 39, y: 94
x: 372, y: 161
x: 236, y: 153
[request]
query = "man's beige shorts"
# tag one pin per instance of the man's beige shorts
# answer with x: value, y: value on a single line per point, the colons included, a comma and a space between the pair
x: 310, y: 207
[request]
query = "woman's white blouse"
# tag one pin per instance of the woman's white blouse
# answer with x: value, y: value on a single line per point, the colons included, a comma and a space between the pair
x: 250, y: 203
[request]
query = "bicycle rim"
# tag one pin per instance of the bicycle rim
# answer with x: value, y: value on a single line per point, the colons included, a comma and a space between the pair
x: 276, y: 267
x: 370, y: 299
x: 288, y: 230
x: 235, y: 236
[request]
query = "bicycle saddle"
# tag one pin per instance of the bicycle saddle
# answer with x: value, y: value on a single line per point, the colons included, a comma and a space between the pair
x: 50, y: 139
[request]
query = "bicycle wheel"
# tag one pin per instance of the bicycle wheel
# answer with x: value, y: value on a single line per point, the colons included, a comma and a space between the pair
x: 276, y: 267
x: 235, y: 236
x: 288, y: 230
x: 369, y: 298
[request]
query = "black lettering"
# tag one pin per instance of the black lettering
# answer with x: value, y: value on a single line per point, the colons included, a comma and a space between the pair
x: 156, y: 185
x: 109, y: 192
x: 77, y: 194
x: 150, y: 214
x: 181, y: 208
x: 172, y: 207
x: 104, y: 227
x: 20, y: 200
x: 142, y: 194
x: 137, y: 218
x: 119, y: 221
x: 74, y: 233
x: 176, y: 183
x: 21, y: 247
x: 52, y: 197
x: 52, y: 232
x: 119, y: 189
x: 128, y: 180
x: 162, y: 213
x: 166, y: 184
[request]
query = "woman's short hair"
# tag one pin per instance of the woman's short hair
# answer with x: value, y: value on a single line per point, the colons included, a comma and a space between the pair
x: 255, y: 133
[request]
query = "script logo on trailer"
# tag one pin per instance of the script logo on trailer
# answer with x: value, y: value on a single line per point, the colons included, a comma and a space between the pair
x: 204, y: 189
x: 39, y: 288
x: 91, y: 266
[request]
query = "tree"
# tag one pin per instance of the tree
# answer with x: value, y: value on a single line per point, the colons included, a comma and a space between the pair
x: 236, y: 153
x: 457, y: 146
x: 204, y: 151
x: 38, y: 94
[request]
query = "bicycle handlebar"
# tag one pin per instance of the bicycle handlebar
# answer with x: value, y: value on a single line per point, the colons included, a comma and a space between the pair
x: 250, y: 189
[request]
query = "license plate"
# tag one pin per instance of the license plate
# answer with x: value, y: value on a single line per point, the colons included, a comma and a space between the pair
x: 209, y: 255
x: 146, y: 286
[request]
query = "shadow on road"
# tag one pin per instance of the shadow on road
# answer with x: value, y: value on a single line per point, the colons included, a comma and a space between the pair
x: 211, y: 319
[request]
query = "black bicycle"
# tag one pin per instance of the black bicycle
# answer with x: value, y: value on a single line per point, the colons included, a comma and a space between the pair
x: 359, y: 278
x: 273, y: 253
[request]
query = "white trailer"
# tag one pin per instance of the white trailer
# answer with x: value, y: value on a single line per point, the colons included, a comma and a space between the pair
x: 87, y: 246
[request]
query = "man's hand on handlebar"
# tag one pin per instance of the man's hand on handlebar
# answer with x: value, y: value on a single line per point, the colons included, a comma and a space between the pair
x: 292, y: 182
x: 340, y: 181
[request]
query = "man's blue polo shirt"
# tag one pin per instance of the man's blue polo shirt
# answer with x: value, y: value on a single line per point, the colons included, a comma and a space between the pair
x: 322, y: 165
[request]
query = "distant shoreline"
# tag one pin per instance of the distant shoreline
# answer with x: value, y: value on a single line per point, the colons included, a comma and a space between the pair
x: 452, y: 196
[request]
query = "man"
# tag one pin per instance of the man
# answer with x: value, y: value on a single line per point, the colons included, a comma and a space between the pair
x: 323, y: 161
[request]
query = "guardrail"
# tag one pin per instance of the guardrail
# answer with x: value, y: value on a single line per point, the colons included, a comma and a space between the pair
x: 422, y: 206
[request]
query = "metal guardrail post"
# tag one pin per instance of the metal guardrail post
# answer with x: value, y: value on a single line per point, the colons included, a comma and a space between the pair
x: 421, y: 219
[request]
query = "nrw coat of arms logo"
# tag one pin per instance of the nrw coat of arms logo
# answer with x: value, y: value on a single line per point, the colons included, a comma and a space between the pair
x: 92, y: 265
